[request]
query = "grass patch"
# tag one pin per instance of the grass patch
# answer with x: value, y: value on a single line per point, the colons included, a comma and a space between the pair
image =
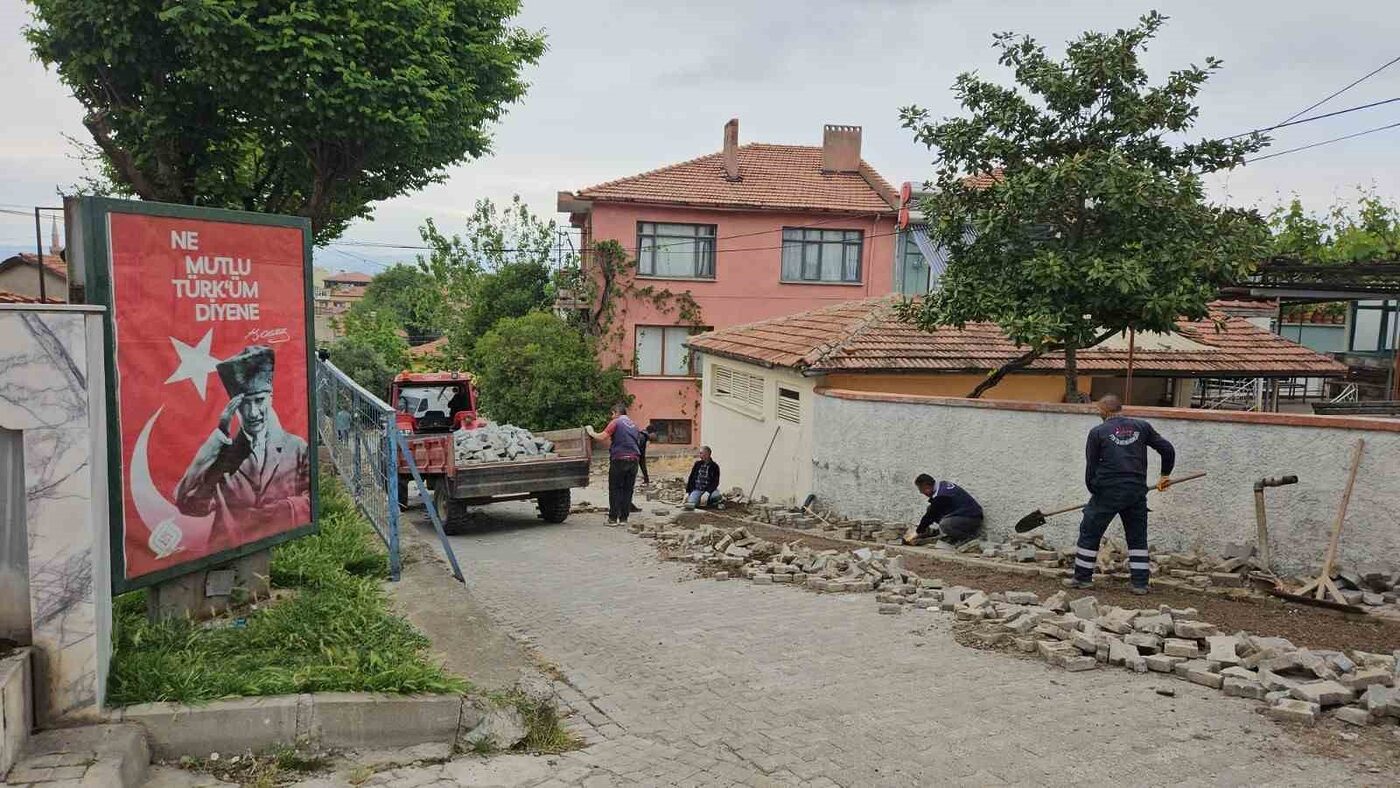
x: 333, y: 632
x: 278, y: 766
x: 546, y: 733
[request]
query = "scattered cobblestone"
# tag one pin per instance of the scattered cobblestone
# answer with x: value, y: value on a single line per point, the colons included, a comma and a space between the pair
x: 717, y: 683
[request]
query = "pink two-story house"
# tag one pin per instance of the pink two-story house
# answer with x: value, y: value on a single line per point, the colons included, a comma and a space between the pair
x: 751, y: 232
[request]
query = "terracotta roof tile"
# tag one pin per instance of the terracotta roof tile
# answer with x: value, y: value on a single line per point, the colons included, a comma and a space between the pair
x: 53, y: 263
x: 1245, y: 306
x: 428, y: 348
x: 349, y: 278
x: 983, y: 180
x: 771, y: 176
x: 866, y: 336
x: 7, y: 297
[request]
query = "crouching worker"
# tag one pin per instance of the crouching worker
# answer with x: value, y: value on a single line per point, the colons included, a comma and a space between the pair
x: 953, y: 514
x: 702, y: 486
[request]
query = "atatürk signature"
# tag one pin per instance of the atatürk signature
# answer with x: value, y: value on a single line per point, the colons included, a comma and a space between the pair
x: 268, y: 336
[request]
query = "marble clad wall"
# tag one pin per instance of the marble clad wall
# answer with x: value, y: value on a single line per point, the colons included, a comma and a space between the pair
x: 52, y: 393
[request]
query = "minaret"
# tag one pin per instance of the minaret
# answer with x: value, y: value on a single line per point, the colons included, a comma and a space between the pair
x: 55, y: 246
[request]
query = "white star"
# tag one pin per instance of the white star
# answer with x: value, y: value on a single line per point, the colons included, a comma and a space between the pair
x: 195, y: 362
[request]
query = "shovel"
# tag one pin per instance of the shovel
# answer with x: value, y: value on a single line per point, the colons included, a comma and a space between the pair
x: 1036, y: 518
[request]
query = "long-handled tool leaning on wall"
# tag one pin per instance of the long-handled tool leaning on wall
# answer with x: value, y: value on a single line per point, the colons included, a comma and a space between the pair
x: 1322, y: 591
x: 1261, y: 524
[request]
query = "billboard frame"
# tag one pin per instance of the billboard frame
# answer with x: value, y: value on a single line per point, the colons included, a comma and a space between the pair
x: 91, y: 214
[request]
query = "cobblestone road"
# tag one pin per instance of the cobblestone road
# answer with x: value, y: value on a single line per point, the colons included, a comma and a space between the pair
x: 696, y: 682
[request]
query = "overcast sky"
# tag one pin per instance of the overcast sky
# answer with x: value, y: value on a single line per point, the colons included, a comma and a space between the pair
x: 629, y: 85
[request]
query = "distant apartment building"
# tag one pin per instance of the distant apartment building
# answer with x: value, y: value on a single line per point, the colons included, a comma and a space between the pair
x: 333, y: 296
x: 751, y: 232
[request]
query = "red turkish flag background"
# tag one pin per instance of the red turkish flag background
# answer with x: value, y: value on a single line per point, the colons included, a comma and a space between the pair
x: 188, y: 294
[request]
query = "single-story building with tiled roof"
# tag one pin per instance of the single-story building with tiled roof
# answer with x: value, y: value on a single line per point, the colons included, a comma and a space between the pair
x: 759, y: 379
x: 20, y: 274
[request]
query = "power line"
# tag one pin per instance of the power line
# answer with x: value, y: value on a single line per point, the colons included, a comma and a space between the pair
x: 839, y: 218
x: 1358, y: 81
x: 782, y: 245
x: 1323, y: 142
x: 1315, y: 117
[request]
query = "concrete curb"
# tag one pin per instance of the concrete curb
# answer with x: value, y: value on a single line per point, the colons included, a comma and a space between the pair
x: 328, y: 719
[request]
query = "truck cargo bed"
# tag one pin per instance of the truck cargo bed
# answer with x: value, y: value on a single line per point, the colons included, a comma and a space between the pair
x: 533, y: 475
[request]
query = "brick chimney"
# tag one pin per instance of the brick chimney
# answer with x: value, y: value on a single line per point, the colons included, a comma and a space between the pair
x: 840, y: 148
x: 731, y: 150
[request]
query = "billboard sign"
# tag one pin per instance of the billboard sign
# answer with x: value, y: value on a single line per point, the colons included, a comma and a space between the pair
x: 210, y: 344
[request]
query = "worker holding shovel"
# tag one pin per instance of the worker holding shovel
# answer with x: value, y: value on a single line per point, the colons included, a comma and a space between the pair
x: 1116, y: 475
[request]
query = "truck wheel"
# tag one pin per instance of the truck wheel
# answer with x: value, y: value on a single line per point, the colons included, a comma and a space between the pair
x: 554, y: 505
x: 456, y: 517
x: 403, y: 491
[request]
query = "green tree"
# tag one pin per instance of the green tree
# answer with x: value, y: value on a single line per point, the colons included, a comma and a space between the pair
x: 1093, y: 222
x: 317, y: 108
x: 372, y: 344
x: 364, y: 364
x: 500, y: 266
x: 514, y: 290
x: 1367, y: 230
x: 409, y: 294
x: 540, y: 373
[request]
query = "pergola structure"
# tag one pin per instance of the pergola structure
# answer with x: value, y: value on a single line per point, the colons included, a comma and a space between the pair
x: 1291, y: 281
x: 1314, y: 282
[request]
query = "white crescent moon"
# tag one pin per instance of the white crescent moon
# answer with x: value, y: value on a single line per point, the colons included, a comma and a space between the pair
x: 159, y: 514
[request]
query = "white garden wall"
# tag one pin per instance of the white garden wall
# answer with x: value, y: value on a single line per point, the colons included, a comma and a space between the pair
x: 1015, y: 457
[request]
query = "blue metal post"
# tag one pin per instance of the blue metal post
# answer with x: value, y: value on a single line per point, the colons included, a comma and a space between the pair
x: 355, y: 459
x: 391, y: 447
x: 432, y: 510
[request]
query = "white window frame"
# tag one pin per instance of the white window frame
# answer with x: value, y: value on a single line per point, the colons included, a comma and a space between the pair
x: 702, y: 236
x: 692, y: 371
x: 738, y: 390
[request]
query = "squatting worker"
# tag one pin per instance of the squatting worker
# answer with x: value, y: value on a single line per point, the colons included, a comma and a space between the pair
x: 1116, y: 474
x: 624, y: 453
x: 953, y: 513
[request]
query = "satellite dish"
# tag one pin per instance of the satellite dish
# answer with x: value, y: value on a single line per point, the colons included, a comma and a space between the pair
x: 906, y: 191
x: 903, y: 218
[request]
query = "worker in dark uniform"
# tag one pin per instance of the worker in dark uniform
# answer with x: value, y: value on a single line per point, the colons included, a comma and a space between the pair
x: 647, y: 436
x: 1115, y: 472
x: 953, y: 514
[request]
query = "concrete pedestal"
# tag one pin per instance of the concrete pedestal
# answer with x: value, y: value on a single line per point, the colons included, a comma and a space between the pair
x: 209, y: 592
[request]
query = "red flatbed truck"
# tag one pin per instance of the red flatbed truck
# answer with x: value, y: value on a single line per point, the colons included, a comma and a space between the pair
x: 430, y: 406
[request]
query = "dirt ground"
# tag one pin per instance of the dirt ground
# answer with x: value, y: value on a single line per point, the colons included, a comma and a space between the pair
x: 1303, y: 625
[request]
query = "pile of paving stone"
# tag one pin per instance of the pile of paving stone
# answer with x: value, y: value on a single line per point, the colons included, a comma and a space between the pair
x: 1298, y: 684
x: 499, y: 443
x: 1236, y: 566
x: 737, y: 553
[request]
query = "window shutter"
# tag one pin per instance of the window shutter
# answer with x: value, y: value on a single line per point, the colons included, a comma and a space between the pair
x: 738, y: 389
x: 789, y: 406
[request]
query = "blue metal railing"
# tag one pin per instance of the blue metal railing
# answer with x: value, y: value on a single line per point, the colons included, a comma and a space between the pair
x: 359, y: 431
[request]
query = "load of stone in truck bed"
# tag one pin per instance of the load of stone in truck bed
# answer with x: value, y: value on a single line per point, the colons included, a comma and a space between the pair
x: 499, y: 443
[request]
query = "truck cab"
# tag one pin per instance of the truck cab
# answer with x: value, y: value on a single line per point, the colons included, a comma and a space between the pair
x: 430, y: 403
